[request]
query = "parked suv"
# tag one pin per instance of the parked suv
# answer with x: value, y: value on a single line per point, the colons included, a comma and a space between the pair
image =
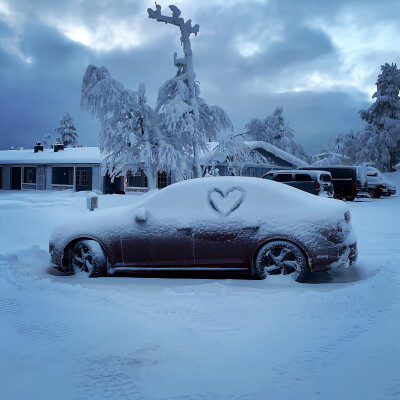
x: 314, y: 182
x: 348, y: 182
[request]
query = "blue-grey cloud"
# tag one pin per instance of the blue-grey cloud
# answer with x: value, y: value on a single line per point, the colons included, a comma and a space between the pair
x: 249, y: 58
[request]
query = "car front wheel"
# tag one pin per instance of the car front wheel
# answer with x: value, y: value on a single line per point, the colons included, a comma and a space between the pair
x: 89, y: 257
x: 281, y: 257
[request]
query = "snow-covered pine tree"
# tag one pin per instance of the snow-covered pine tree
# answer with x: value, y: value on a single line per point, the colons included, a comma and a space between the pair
x: 381, y: 137
x: 47, y: 141
x: 130, y: 137
x: 274, y: 130
x: 67, y: 131
x: 186, y: 115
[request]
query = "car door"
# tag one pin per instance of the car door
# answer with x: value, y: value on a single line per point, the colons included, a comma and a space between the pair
x: 304, y: 182
x: 157, y: 241
x: 222, y: 237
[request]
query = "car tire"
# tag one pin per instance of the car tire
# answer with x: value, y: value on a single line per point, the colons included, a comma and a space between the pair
x: 338, y: 196
x: 371, y: 193
x: 350, y: 198
x: 281, y: 256
x: 89, y: 257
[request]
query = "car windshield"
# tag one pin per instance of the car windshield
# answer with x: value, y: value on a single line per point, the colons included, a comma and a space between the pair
x: 268, y: 176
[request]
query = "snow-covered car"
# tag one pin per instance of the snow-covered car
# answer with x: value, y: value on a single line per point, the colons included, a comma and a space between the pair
x: 377, y: 180
x: 229, y: 224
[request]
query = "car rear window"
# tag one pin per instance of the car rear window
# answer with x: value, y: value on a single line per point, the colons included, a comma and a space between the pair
x: 303, y: 178
x: 325, y: 178
x: 342, y: 173
x: 284, y: 177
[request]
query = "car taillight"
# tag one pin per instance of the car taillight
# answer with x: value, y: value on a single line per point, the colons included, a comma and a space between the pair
x: 317, y: 186
x: 355, y: 185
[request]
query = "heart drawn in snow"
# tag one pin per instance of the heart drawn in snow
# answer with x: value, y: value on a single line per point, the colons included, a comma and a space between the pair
x: 225, y: 202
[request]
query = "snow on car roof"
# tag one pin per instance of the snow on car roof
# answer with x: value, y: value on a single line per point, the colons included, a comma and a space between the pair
x: 261, y: 194
x: 73, y: 155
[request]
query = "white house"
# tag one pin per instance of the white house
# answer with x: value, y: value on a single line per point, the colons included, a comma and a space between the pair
x: 51, y: 169
x: 79, y: 169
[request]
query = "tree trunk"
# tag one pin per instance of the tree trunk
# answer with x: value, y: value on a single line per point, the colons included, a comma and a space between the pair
x: 196, y: 161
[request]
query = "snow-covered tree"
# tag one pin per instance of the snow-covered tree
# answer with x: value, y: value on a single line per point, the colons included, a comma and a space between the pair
x: 274, y: 130
x: 67, y: 131
x: 47, y: 141
x: 235, y: 152
x: 381, y: 137
x: 130, y: 135
x: 185, y: 114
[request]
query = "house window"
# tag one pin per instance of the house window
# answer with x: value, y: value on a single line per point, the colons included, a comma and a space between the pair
x: 29, y: 175
x: 82, y: 178
x: 163, y: 179
x: 62, y: 176
x: 136, y: 178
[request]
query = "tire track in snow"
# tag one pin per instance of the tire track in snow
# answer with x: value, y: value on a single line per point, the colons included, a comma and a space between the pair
x: 357, y: 314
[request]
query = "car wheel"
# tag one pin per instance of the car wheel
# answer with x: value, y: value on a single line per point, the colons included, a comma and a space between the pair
x: 281, y: 257
x: 338, y: 196
x: 350, y: 198
x: 371, y: 193
x: 89, y: 257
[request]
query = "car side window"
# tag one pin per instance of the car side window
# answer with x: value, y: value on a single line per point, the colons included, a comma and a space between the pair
x: 302, y: 178
x: 284, y: 177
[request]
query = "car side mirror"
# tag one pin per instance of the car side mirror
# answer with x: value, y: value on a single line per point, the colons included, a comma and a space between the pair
x: 141, y: 214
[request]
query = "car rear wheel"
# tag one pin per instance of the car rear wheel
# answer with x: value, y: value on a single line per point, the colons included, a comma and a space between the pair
x: 281, y: 257
x: 89, y: 257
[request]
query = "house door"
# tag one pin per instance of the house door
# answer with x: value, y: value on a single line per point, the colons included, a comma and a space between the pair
x: 15, y: 178
x: 83, y: 178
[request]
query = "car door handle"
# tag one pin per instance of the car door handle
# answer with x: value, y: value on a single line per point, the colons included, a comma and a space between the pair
x: 251, y: 228
x: 186, y: 231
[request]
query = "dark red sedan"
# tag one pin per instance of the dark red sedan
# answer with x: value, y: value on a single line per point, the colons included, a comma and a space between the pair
x: 231, y: 224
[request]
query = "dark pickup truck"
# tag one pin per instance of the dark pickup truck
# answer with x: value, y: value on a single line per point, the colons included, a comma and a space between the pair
x: 348, y: 182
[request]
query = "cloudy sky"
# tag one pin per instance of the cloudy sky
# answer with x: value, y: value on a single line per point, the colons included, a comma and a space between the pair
x: 317, y: 59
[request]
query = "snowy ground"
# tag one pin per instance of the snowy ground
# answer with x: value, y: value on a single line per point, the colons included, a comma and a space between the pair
x: 70, y: 337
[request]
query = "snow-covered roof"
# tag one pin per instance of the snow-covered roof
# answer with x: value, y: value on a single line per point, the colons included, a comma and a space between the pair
x: 204, y: 157
x: 277, y: 153
x: 73, y: 155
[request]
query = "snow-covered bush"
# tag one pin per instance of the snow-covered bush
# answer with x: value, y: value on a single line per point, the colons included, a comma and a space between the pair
x: 48, y: 141
x: 274, y: 130
x: 235, y: 152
